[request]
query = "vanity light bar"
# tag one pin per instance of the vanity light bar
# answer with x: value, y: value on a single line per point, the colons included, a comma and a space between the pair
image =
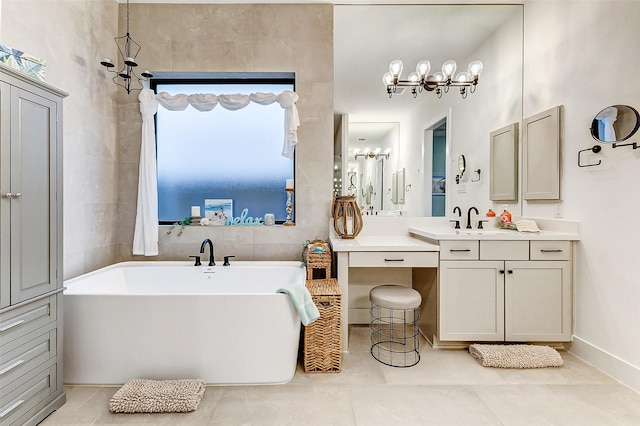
x: 439, y: 82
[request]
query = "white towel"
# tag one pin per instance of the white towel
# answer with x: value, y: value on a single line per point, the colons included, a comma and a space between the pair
x: 301, y: 299
x: 526, y: 225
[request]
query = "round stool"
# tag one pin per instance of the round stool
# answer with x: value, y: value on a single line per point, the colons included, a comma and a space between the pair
x: 394, y: 325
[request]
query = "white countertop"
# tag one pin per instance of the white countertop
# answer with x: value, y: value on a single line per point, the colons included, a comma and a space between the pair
x: 382, y: 243
x: 445, y: 233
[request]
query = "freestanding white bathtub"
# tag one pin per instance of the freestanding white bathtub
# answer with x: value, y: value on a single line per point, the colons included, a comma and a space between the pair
x: 173, y: 320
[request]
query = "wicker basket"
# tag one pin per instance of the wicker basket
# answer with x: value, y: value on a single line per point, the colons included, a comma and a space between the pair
x: 318, y: 256
x: 323, y: 337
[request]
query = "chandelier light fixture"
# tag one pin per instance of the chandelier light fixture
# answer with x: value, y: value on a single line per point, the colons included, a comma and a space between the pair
x: 439, y: 82
x: 128, y: 49
x: 367, y: 153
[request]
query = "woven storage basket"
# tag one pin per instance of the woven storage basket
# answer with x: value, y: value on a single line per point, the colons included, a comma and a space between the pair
x: 318, y: 256
x: 323, y: 337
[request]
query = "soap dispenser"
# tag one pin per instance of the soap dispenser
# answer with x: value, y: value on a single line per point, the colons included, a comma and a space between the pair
x: 505, y: 218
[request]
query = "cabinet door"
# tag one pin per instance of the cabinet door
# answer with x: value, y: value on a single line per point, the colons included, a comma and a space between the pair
x: 541, y: 156
x: 471, y: 301
x: 538, y: 301
x: 5, y: 187
x: 33, y: 214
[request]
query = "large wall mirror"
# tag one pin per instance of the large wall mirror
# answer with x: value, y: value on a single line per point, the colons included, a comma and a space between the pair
x: 368, y: 37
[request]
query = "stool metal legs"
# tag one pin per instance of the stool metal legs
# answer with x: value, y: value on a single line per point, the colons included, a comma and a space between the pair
x: 395, y: 339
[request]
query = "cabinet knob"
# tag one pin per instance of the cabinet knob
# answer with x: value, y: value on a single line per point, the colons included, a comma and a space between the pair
x: 7, y: 195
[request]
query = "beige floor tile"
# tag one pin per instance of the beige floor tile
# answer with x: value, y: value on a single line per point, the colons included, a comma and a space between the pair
x: 284, y: 405
x: 420, y: 405
x: 562, y: 405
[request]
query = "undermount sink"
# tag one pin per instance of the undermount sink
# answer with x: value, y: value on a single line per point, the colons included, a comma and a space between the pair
x: 479, y: 232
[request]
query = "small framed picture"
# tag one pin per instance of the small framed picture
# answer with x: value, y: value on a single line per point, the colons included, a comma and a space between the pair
x: 438, y: 184
x: 218, y: 211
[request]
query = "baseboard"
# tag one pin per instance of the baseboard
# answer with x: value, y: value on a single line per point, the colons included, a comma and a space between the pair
x: 610, y: 364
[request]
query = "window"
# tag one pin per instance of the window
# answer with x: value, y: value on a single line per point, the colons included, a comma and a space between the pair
x: 222, y: 154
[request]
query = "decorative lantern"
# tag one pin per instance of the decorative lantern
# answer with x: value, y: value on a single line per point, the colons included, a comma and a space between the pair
x: 347, y: 218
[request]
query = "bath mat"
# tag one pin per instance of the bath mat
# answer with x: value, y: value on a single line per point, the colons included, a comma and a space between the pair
x: 515, y: 356
x: 158, y: 396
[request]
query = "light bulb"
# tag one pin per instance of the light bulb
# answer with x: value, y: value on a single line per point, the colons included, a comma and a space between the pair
x: 423, y: 68
x: 387, y: 79
x: 395, y: 68
x: 377, y: 150
x: 449, y: 68
x: 464, y: 77
x: 475, y: 68
x: 356, y: 151
x: 438, y: 76
x: 414, y: 77
x: 387, y: 151
x: 366, y: 151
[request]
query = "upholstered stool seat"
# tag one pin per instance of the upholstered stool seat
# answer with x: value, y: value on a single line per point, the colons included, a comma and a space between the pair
x: 395, y: 339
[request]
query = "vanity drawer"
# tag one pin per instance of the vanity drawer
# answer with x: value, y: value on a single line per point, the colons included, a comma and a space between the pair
x: 504, y: 250
x: 393, y: 259
x: 459, y: 250
x: 20, y: 321
x: 550, y: 250
x: 27, y: 393
x: 21, y: 359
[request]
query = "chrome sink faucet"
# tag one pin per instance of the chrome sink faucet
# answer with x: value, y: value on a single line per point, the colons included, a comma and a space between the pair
x: 204, y: 244
x: 469, y: 216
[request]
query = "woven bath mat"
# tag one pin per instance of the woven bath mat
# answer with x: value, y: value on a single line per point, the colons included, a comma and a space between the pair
x: 157, y: 396
x: 515, y: 356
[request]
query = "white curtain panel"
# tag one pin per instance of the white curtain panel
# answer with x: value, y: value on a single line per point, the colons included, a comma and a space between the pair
x: 145, y: 237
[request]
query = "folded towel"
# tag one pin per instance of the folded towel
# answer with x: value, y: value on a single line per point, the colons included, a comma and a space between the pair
x: 301, y: 299
x: 158, y: 396
x: 526, y: 225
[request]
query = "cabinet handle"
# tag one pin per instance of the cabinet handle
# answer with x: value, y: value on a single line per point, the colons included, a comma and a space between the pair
x: 10, y: 409
x: 501, y: 271
x: 14, y: 324
x: 393, y: 260
x: 510, y: 271
x: 12, y: 366
x: 552, y: 251
x: 454, y: 250
x: 10, y: 195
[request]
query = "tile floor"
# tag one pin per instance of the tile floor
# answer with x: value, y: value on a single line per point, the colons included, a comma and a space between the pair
x: 447, y: 387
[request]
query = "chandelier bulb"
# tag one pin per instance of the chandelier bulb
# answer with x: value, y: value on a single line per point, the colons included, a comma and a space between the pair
x: 475, y: 68
x: 438, y: 76
x: 395, y: 68
x: 146, y: 74
x: 387, y: 79
x: 414, y: 77
x: 464, y: 77
x: 130, y: 62
x: 449, y: 68
x: 422, y: 68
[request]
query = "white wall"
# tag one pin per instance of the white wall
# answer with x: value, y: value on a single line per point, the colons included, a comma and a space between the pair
x: 580, y: 54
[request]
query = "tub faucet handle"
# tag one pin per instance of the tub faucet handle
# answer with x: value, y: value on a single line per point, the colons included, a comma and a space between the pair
x: 197, y: 261
x: 226, y: 261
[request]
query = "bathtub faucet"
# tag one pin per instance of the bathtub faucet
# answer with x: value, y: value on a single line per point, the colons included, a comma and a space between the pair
x: 204, y: 244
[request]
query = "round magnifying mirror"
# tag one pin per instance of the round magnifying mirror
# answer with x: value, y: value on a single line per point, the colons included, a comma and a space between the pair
x: 462, y: 164
x: 615, y: 123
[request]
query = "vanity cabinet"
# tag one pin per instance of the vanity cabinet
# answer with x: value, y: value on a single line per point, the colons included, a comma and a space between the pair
x: 30, y: 249
x: 518, y: 291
